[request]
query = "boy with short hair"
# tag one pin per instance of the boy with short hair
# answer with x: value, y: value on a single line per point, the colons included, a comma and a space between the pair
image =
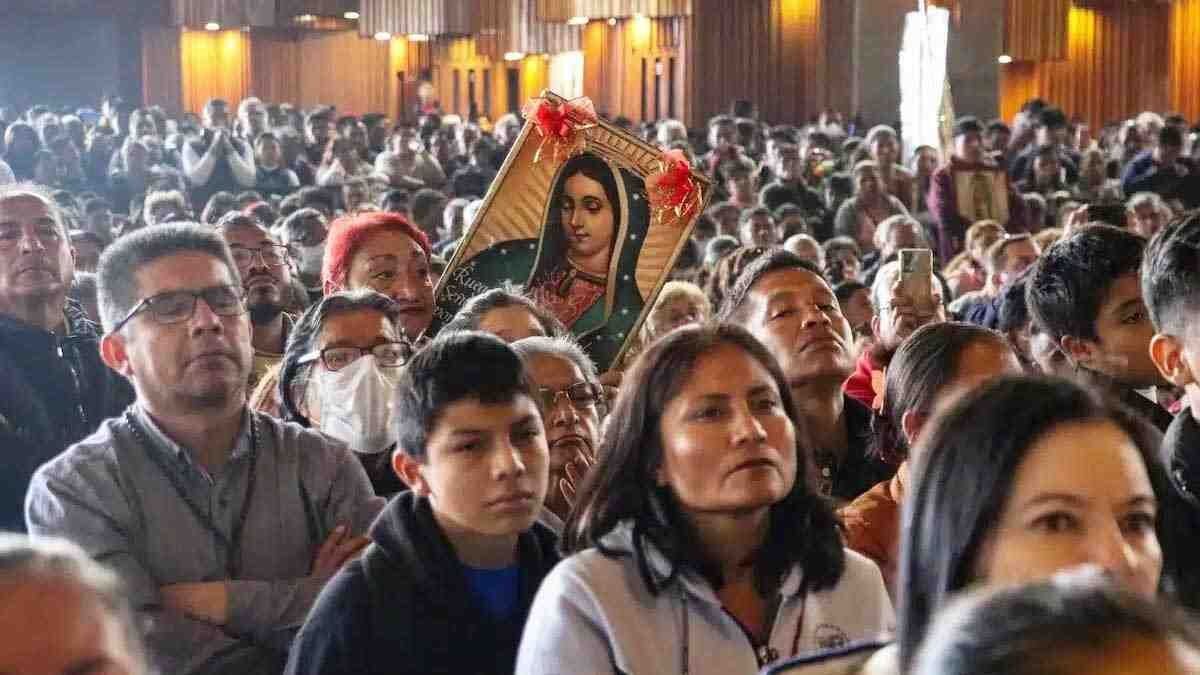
x: 1171, y: 288
x: 448, y: 582
x: 1084, y: 293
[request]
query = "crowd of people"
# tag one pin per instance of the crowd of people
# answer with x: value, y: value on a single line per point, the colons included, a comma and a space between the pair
x: 233, y: 446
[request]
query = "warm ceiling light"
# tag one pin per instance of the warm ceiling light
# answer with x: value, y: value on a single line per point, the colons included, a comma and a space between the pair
x: 305, y: 18
x: 577, y: 21
x: 1005, y: 59
x: 513, y: 56
x: 212, y: 25
x: 612, y: 21
x: 418, y: 37
x: 383, y: 36
x: 350, y: 15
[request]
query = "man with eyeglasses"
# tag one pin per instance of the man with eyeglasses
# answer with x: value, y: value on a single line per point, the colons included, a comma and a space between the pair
x: 223, y: 523
x: 266, y: 274
x: 54, y: 389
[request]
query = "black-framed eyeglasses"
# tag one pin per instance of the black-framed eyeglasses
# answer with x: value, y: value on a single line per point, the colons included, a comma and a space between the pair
x: 272, y: 255
x: 387, y: 355
x: 579, y: 395
x: 176, y: 306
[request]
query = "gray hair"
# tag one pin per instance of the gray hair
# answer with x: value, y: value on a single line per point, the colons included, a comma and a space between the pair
x: 884, y: 278
x: 885, y: 228
x: 157, y: 198
x: 116, y: 274
x: 880, y: 131
x: 1148, y: 199
x: 23, y: 558
x: 472, y: 312
x: 564, y: 347
x: 37, y: 191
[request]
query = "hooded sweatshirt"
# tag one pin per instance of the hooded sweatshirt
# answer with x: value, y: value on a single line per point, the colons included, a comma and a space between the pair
x: 595, y: 614
x: 406, y: 605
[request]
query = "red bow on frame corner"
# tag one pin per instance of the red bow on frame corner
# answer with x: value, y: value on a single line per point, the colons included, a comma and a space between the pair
x: 559, y: 122
x: 672, y: 190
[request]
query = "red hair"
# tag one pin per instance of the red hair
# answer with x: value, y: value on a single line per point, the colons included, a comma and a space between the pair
x: 347, y: 233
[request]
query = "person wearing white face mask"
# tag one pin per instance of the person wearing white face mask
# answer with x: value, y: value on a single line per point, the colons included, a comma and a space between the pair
x: 304, y: 233
x: 339, y: 374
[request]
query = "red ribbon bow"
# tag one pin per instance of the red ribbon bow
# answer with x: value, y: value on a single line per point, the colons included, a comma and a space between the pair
x: 558, y: 122
x: 673, y: 188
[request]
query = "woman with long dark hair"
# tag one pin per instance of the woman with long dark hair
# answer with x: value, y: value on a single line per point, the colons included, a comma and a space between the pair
x: 935, y: 362
x: 1023, y: 478
x: 699, y: 544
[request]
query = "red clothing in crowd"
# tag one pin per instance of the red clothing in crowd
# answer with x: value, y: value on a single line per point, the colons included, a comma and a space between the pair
x: 861, y: 385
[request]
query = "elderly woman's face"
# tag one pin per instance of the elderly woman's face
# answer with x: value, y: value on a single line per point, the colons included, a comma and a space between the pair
x: 587, y: 218
x: 572, y: 427
x: 677, y: 312
x: 511, y: 323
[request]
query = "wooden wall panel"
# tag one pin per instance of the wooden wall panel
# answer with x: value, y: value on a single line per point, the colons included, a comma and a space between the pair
x: 228, y: 13
x: 1037, y: 30
x: 162, y: 72
x: 768, y: 51
x: 613, y: 61
x: 214, y: 65
x: 428, y: 17
x: 275, y: 66
x: 462, y: 56
x: 517, y: 30
x: 1184, y: 66
x: 286, y: 9
x: 561, y: 10
x: 347, y: 70
x: 1114, y: 69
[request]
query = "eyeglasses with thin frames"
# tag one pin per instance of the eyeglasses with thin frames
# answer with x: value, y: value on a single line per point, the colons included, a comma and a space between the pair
x: 178, y: 306
x: 580, y: 395
x: 272, y: 255
x: 392, y: 354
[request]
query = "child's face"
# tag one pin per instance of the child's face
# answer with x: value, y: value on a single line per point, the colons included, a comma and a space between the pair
x: 485, y: 470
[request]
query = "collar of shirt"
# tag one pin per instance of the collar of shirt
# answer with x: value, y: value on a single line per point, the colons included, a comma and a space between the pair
x: 161, y: 442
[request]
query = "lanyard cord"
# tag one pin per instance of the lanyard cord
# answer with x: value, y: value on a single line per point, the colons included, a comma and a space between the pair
x: 764, y: 654
x: 233, y: 545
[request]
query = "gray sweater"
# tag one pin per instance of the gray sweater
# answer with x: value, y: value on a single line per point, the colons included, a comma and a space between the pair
x: 111, y: 494
x: 594, y: 614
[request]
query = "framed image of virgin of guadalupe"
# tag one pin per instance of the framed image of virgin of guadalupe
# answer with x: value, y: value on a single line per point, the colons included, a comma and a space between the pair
x: 585, y: 218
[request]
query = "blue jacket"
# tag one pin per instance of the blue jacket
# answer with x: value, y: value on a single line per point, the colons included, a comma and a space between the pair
x: 1144, y: 175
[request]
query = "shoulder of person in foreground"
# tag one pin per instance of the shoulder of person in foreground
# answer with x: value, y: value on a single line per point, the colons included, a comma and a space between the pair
x: 83, y: 478
x: 336, y: 638
x: 574, y: 616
